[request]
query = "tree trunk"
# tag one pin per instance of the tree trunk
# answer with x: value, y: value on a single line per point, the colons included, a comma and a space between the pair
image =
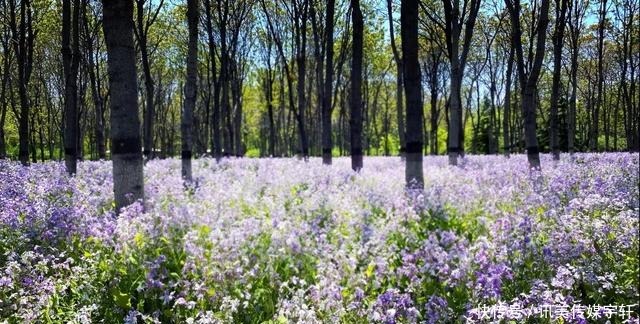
x: 327, y: 141
x: 3, y: 94
x: 355, y: 122
x: 225, y: 110
x: 71, y: 60
x: 216, y: 142
x: 530, y: 126
x: 301, y: 44
x: 23, y: 38
x: 399, y: 84
x: 433, y: 83
x: 190, y: 90
x: 598, y: 106
x: 528, y: 81
x: 268, y: 94
x: 506, y: 116
x: 237, y: 116
x: 455, y: 116
x: 412, y: 85
x: 125, y: 124
x: 98, y: 102
x: 557, y: 70
x: 576, y: 14
x: 142, y: 29
x: 453, y: 28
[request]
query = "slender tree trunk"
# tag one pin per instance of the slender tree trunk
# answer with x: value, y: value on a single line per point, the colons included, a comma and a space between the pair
x: 190, y: 90
x: 453, y: 28
x: 3, y: 147
x: 23, y: 38
x: 455, y: 116
x: 598, y: 106
x: 571, y: 116
x: 433, y: 82
x: 530, y: 125
x: 98, y: 102
x: 355, y: 122
x: 225, y: 112
x: 268, y: 93
x: 142, y: 29
x: 125, y: 124
x: 327, y: 141
x: 216, y: 142
x: 399, y: 85
x: 237, y: 116
x: 71, y: 60
x: 558, y: 41
x: 576, y: 12
x: 528, y: 81
x: 301, y: 44
x: 412, y: 85
x: 3, y: 94
x: 32, y: 137
x: 506, y: 116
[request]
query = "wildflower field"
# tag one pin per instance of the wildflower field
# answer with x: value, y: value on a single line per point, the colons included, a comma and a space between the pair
x: 288, y: 241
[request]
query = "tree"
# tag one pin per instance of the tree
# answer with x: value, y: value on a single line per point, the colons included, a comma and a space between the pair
x: 558, y: 35
x: 128, y: 183
x: 71, y: 61
x: 92, y: 48
x: 506, y: 115
x: 627, y: 16
x: 399, y: 79
x: 327, y: 142
x: 458, y: 45
x: 412, y: 86
x: 529, y: 77
x: 216, y: 141
x: 190, y: 89
x: 23, y: 38
x: 268, y: 79
x: 593, y: 139
x: 299, y: 14
x: 356, y: 87
x: 577, y: 10
x: 141, y: 31
x: 4, y: 86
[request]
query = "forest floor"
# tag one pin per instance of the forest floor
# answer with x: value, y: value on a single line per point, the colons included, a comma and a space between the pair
x: 288, y: 241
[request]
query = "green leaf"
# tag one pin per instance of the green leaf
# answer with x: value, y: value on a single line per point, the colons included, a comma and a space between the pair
x: 121, y: 299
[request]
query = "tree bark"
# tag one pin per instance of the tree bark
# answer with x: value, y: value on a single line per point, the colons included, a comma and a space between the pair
x: 412, y: 85
x: 125, y: 124
x: 595, y: 132
x: 23, y: 39
x: 399, y: 85
x: 216, y: 141
x: 453, y: 28
x: 327, y: 141
x: 506, y: 116
x: 190, y: 90
x: 355, y: 122
x: 576, y: 14
x: 141, y: 33
x: 528, y: 81
x: 435, y: 112
x: 71, y: 60
x: 558, y: 41
x: 301, y: 44
x: 6, y: 64
x: 94, y: 71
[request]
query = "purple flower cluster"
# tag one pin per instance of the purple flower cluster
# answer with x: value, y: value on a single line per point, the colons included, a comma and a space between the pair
x: 287, y: 240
